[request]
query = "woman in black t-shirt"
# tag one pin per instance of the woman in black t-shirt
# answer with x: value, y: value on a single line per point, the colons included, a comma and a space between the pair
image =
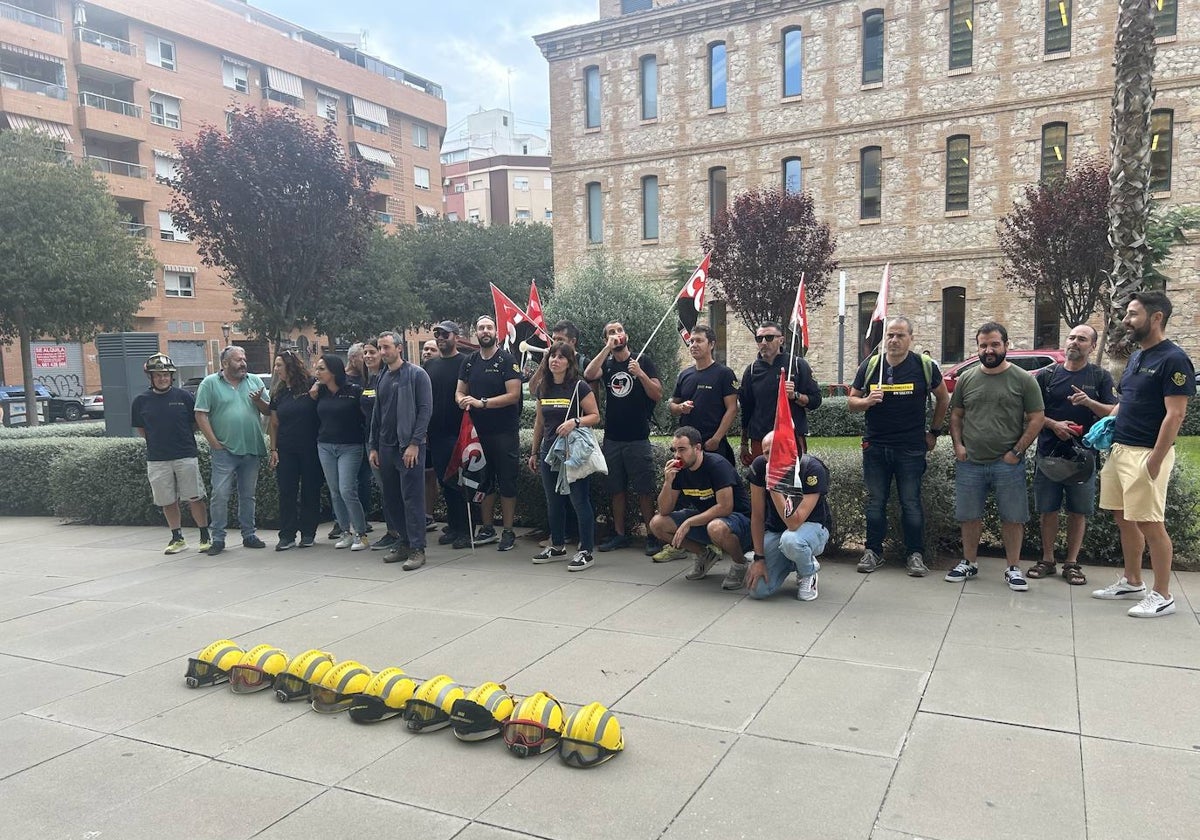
x: 340, y: 442
x: 293, y: 430
x: 564, y: 404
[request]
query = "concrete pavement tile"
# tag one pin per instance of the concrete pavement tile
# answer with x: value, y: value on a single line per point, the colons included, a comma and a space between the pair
x: 681, y: 609
x: 309, y: 595
x: 61, y: 616
x: 623, y: 566
x: 845, y: 705
x: 990, y: 581
x: 1107, y: 708
x: 59, y: 641
x: 12, y: 663
x: 998, y: 774
x: 481, y: 831
x: 581, y: 603
x: 891, y: 586
x: 80, y: 563
x: 495, y: 651
x: 27, y: 741
x: 888, y: 834
x: 319, y: 748
x: 321, y: 561
x: 711, y: 685
x: 406, y: 636
x: 1026, y: 688
x: 320, y: 628
x: 15, y: 585
x: 633, y: 796
x: 124, y: 701
x: 1140, y: 791
x: 463, y: 590
x: 778, y: 773
x: 187, y: 805
x: 101, y: 588
x: 343, y: 814
x: 23, y: 605
x: 1189, y: 585
x: 597, y: 665
x: 210, y: 589
x: 23, y: 527
x: 780, y: 623
x: 66, y: 795
x: 1104, y: 631
x: 1015, y: 623
x: 40, y: 682
x: 880, y: 636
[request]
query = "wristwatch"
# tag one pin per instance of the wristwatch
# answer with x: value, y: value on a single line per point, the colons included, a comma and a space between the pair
x: 1015, y: 453
x: 484, y: 402
x: 934, y: 432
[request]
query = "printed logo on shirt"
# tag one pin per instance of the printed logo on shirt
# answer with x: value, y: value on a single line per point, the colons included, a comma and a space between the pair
x: 1178, y: 378
x: 811, y: 481
x: 701, y: 493
x: 555, y: 402
x: 621, y: 384
x: 900, y: 389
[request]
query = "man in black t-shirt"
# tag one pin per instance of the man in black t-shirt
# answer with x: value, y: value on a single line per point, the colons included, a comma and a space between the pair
x: 490, y: 388
x: 789, y: 530
x: 165, y: 416
x: 758, y: 391
x: 632, y: 389
x: 714, y: 520
x: 706, y: 394
x: 445, y: 369
x: 1155, y: 389
x: 893, y: 389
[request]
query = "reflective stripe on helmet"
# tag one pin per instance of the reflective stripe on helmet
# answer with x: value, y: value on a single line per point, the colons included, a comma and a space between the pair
x: 314, y: 664
x: 350, y: 674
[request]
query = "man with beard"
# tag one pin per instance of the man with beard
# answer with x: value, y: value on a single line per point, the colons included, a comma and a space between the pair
x: 759, y: 391
x: 1076, y: 393
x: 1155, y: 389
x: 996, y: 412
x: 445, y: 369
x: 489, y: 387
x: 706, y: 394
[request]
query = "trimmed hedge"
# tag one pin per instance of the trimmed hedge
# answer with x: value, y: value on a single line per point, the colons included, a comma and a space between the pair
x: 80, y: 429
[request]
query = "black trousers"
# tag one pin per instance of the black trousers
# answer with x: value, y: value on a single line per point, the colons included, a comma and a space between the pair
x: 299, y: 476
x: 440, y: 450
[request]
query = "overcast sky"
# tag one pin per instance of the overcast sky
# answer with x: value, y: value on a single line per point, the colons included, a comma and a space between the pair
x: 480, y: 51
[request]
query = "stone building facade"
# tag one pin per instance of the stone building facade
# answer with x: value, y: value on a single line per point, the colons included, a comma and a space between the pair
x: 856, y: 103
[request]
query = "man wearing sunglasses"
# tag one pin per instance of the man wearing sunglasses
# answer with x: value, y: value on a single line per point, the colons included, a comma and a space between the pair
x: 445, y: 369
x: 759, y: 392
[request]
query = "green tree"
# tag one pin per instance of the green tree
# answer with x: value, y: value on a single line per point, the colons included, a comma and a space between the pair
x: 276, y: 204
x: 68, y: 266
x: 1164, y: 231
x: 372, y: 295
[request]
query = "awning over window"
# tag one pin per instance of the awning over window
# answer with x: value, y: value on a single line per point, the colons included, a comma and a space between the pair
x: 40, y: 56
x: 238, y: 61
x: 284, y: 82
x: 58, y: 131
x: 426, y: 210
x: 180, y: 269
x: 373, y: 155
x: 370, y: 111
x: 169, y: 155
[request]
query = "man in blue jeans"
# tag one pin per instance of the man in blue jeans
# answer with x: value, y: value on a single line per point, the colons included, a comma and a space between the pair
x: 996, y: 412
x: 228, y: 405
x: 893, y: 388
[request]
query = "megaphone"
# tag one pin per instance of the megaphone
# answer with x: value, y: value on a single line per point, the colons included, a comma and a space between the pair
x: 526, y: 347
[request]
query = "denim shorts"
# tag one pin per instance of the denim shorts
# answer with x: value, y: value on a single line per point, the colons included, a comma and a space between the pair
x: 1050, y: 496
x: 972, y: 482
x: 738, y: 523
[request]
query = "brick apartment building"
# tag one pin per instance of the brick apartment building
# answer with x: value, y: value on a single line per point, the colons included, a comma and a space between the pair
x: 914, y: 125
x: 493, y: 174
x: 118, y: 82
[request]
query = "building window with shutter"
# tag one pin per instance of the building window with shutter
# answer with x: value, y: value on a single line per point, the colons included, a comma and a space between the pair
x: 591, y: 97
x: 650, y: 207
x: 954, y: 323
x: 962, y: 33
x: 420, y: 177
x: 718, y: 193
x: 648, y: 83
x: 179, y: 285
x: 1054, y: 151
x: 1058, y: 26
x: 958, y: 173
x: 164, y: 110
x: 235, y: 75
x: 595, y: 214
x: 872, y: 47
x: 1166, y: 18
x: 870, y: 183
x: 1162, y: 124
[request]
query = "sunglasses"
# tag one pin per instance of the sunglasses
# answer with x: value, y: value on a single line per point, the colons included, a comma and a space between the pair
x: 761, y: 338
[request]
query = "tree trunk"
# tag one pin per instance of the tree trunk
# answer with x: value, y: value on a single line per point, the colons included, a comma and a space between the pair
x: 32, y: 418
x: 1129, y: 176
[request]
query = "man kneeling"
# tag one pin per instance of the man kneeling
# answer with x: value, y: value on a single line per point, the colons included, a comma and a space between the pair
x: 788, y: 532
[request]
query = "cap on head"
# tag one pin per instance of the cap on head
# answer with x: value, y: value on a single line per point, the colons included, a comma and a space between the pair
x: 449, y: 327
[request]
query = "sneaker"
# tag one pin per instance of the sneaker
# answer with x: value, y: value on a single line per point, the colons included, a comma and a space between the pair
x: 1122, y: 590
x: 253, y: 541
x: 808, y: 585
x: 507, y: 540
x: 176, y: 546
x: 430, y: 523
x: 335, y: 533
x: 216, y: 548
x: 869, y: 562
x: 550, y: 554
x: 461, y: 541
x: 735, y: 577
x: 285, y: 545
x: 916, y: 565
x: 653, y: 546
x: 345, y: 540
x: 1152, y: 606
x: 963, y: 571
x: 415, y: 560
x: 583, y: 560
x: 707, y: 559
x: 205, y: 545
x: 398, y: 554
x: 669, y: 553
x: 385, y: 543
x: 360, y: 544
x: 307, y: 542
x: 1016, y: 580
x: 447, y: 538
x: 485, y: 535
x: 614, y: 542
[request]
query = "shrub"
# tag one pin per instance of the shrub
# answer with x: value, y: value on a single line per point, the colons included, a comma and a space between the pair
x: 26, y: 468
x: 54, y: 430
x: 834, y: 419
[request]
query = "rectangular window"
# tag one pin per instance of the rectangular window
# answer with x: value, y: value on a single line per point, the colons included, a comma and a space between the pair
x: 327, y: 106
x: 460, y: 188
x: 179, y: 285
x: 167, y: 230
x: 718, y: 195
x: 717, y: 75
x: 472, y: 215
x: 870, y: 180
x: 868, y: 334
x: 523, y: 215
x: 962, y: 33
x: 521, y: 184
x: 958, y: 173
x: 791, y: 176
x: 165, y: 167
x: 1054, y: 151
x: 595, y: 214
x: 954, y: 323
x: 649, y: 86
x: 650, y: 207
x: 872, y: 47
x: 420, y: 136
x: 1162, y: 125
x: 1058, y: 26
x: 160, y: 52
x: 591, y: 97
x: 549, y: 214
x: 420, y: 177
x: 1166, y: 18
x: 547, y: 183
x: 164, y: 110
x: 235, y: 75
x: 792, y: 78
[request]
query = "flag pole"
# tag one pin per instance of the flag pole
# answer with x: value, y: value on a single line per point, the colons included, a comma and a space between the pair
x: 666, y: 315
x: 795, y: 329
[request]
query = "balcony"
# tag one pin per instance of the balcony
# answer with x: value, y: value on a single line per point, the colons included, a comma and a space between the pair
x: 140, y: 231
x: 30, y: 18
x: 34, y: 98
x: 102, y: 51
x: 383, y: 218
x: 125, y: 179
x: 111, y: 117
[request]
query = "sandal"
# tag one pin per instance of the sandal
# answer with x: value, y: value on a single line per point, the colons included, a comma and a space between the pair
x: 1073, y: 574
x: 1041, y: 569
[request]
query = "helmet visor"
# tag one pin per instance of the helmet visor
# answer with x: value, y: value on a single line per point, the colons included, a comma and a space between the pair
x: 529, y: 737
x: 246, y: 679
x: 584, y: 753
x: 421, y: 715
x: 329, y: 702
x: 366, y: 708
x: 201, y: 673
x: 290, y: 687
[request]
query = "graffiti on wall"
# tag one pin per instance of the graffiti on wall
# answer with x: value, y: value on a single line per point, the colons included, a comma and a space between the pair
x: 63, y: 384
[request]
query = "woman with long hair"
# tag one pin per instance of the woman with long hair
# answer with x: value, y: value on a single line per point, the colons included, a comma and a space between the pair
x: 293, y: 431
x: 564, y: 404
x: 340, y: 441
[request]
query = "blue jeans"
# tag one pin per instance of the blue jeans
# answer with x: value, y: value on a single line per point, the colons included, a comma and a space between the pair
x: 556, y: 507
x: 792, y: 551
x: 226, y: 469
x: 972, y: 482
x: 880, y: 465
x: 340, y: 462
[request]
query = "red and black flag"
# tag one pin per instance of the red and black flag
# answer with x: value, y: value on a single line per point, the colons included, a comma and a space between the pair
x: 690, y: 302
x: 467, y: 459
x: 513, y: 324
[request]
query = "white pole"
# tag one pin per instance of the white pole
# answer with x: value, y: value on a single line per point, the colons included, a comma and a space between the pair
x: 666, y: 314
x: 795, y: 329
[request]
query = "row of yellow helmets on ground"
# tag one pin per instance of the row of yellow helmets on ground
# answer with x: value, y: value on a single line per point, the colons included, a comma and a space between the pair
x: 532, y: 726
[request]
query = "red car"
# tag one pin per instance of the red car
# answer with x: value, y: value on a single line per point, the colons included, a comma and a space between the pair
x: 1030, y: 360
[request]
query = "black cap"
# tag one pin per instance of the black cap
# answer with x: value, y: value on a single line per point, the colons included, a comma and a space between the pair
x: 448, y: 326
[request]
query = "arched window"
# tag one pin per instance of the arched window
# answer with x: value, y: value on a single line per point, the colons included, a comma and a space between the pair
x: 868, y: 338
x: 954, y: 323
x: 717, y: 75
x: 718, y: 195
x: 591, y: 97
x: 870, y: 183
x: 650, y: 207
x: 1054, y: 151
x: 1162, y: 128
x: 872, y: 46
x: 792, y: 183
x: 793, y: 81
x: 595, y: 214
x: 648, y: 83
x: 958, y: 173
x: 1058, y: 26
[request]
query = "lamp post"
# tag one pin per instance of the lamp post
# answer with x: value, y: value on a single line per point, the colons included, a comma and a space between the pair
x: 841, y: 327
x: 226, y: 329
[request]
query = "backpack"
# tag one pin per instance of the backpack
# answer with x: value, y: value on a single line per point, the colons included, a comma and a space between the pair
x: 1045, y: 377
x: 926, y: 366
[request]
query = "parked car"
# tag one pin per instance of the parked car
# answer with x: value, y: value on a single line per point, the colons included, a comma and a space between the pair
x: 1030, y: 360
x: 93, y: 405
x: 192, y: 384
x: 60, y: 408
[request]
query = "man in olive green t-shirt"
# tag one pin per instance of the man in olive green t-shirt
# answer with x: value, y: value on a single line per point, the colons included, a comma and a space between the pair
x: 996, y: 412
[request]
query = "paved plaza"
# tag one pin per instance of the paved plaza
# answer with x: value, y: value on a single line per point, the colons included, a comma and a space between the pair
x: 889, y: 708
